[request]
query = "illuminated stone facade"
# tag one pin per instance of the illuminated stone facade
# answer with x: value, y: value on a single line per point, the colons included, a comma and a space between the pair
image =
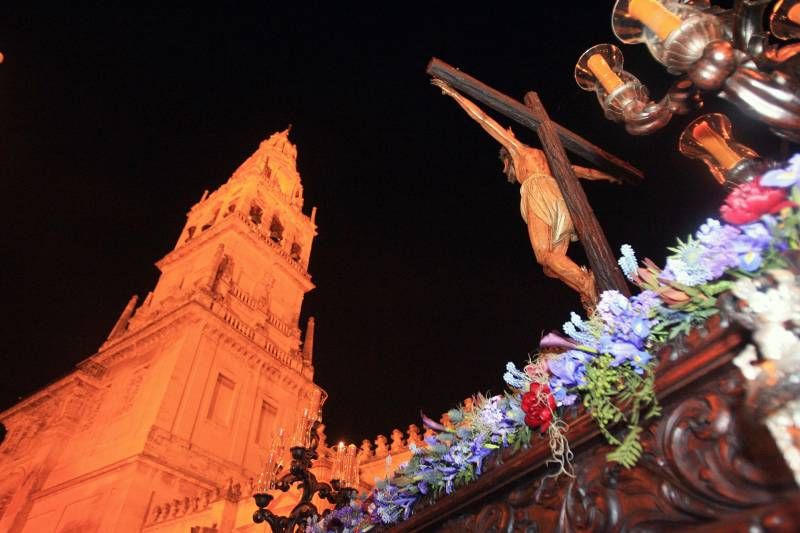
x: 165, y: 427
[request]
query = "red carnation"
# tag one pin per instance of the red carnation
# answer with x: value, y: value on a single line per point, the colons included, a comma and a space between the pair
x: 749, y: 201
x: 538, y: 405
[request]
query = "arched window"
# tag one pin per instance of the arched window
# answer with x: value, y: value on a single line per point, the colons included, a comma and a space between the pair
x: 255, y: 214
x: 276, y: 229
x: 190, y: 233
x: 295, y: 251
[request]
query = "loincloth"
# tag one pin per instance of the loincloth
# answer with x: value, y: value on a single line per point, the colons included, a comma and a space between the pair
x: 541, y: 197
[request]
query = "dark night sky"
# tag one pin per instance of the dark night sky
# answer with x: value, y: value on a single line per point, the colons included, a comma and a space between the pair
x: 113, y: 122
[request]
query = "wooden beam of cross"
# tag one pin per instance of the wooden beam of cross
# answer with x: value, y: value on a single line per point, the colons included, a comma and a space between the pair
x: 574, y: 143
x: 602, y: 261
x: 607, y: 273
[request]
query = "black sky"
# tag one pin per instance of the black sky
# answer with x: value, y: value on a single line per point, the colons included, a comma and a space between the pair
x: 114, y: 121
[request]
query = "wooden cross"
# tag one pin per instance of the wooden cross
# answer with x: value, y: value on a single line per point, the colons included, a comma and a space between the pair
x: 554, y: 140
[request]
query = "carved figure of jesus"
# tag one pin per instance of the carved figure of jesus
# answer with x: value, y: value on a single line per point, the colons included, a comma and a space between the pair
x: 542, y: 205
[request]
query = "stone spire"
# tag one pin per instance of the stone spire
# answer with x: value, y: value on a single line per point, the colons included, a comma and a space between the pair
x: 122, y: 322
x: 275, y: 162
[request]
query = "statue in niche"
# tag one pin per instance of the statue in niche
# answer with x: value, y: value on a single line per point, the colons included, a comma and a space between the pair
x: 223, y: 271
x: 542, y: 206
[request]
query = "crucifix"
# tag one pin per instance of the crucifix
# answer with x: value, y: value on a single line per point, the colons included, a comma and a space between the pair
x: 553, y: 203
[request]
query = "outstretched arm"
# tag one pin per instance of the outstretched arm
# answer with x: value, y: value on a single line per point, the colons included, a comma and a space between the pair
x: 592, y: 174
x: 500, y: 134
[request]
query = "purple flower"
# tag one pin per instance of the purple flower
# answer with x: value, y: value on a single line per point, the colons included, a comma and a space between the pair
x: 554, y: 340
x: 612, y: 304
x: 645, y: 300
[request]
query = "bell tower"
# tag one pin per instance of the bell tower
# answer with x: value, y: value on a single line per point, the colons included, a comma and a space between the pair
x: 176, y: 411
x: 244, y: 252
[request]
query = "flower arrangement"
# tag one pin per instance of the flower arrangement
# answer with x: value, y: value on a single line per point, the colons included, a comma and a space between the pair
x: 604, y: 362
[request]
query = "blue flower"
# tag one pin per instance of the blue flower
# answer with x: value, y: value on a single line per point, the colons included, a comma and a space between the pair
x: 750, y: 261
x: 628, y: 262
x: 578, y: 330
x: 624, y: 352
x: 641, y: 327
x: 783, y: 177
x: 561, y: 393
x: 515, y: 378
x: 758, y: 233
x: 568, y: 367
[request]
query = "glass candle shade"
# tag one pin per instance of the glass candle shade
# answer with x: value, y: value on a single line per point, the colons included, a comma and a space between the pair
x: 599, y: 69
x: 784, y: 21
x: 301, y: 436
x: 709, y: 139
x: 351, y: 477
x: 338, y: 470
x: 320, y: 402
x: 599, y: 66
x: 273, y: 464
x: 675, y: 33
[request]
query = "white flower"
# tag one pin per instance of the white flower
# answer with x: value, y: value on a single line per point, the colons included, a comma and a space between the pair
x: 744, y: 362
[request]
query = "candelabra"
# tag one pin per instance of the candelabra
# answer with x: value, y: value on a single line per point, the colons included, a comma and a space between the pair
x: 717, y: 51
x: 338, y: 492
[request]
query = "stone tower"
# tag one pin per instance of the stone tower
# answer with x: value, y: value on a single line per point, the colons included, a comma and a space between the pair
x: 164, y: 428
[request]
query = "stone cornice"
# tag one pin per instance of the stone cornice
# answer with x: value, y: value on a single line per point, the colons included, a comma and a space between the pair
x: 56, y: 391
x: 288, y: 369
x: 284, y: 366
x: 200, y: 465
x: 133, y: 342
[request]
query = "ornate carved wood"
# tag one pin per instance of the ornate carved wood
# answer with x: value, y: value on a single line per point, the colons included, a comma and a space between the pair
x: 707, y: 466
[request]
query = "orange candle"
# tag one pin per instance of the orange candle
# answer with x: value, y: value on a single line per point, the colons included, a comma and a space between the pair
x: 716, y: 146
x: 655, y: 16
x: 794, y: 14
x: 607, y: 77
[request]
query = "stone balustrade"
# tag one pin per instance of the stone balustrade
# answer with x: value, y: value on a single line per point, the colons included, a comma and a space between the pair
x: 275, y: 246
x: 261, y: 306
x: 180, y: 507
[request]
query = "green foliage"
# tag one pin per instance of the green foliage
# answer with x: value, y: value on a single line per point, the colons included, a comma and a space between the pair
x: 614, y: 395
x: 629, y: 450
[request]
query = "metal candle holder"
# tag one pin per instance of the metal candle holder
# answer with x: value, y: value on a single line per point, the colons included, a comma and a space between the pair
x: 717, y: 51
x: 300, y: 474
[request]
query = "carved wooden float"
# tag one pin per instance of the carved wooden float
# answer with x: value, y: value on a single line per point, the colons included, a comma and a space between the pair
x: 707, y: 465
